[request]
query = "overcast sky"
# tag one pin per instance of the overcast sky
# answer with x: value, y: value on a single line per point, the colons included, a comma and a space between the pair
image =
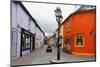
x: 45, y: 16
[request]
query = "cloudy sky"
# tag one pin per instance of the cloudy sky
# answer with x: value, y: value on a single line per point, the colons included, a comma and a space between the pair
x: 45, y: 16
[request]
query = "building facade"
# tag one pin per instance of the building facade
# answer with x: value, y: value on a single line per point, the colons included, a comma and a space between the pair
x: 53, y: 40
x: 24, y: 31
x: 79, y: 36
x: 39, y: 38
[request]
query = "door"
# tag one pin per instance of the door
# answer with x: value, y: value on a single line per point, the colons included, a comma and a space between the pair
x: 25, y: 41
x: 33, y: 42
x: 68, y: 43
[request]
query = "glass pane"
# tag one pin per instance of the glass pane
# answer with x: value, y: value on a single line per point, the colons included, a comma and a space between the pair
x: 79, y: 40
x: 26, y: 41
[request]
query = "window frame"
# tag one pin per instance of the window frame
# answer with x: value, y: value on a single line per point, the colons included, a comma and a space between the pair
x: 83, y: 41
x: 26, y: 33
x: 24, y: 44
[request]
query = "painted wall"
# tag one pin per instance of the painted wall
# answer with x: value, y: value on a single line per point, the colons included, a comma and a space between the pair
x: 15, y: 43
x: 39, y: 38
x: 22, y: 21
x: 64, y: 34
x: 61, y: 33
x: 82, y: 22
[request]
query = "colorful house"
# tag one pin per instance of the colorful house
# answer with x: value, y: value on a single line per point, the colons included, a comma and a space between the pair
x: 78, y: 35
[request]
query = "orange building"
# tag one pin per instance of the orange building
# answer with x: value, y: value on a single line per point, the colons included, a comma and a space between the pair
x: 79, y: 36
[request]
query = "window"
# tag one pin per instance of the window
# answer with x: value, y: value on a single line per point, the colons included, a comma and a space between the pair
x: 79, y: 41
x: 68, y: 26
x: 67, y: 40
x: 25, y: 40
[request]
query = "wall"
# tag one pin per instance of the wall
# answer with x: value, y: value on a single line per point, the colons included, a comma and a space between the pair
x: 64, y: 34
x: 61, y: 33
x: 14, y: 32
x: 19, y: 20
x: 82, y: 22
x: 39, y: 38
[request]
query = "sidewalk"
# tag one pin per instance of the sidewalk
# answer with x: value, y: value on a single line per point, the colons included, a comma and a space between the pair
x: 40, y: 56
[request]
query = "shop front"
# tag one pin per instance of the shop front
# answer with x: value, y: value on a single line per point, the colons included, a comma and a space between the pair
x: 27, y: 42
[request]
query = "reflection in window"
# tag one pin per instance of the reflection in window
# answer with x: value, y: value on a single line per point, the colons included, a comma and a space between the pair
x: 26, y: 41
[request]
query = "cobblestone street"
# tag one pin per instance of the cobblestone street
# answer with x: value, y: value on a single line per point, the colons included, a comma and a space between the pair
x: 40, y: 56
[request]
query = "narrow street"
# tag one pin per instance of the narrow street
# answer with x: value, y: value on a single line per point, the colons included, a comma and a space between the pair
x: 40, y: 56
x: 57, y: 25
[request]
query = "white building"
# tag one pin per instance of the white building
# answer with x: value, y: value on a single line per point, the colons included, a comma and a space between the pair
x: 53, y: 40
x: 39, y: 38
x: 26, y: 35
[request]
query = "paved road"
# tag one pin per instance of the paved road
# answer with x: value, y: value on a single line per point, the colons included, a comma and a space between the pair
x: 40, y: 56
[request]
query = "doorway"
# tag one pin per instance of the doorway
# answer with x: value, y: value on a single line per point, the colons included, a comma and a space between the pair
x: 25, y: 41
x: 68, y: 44
x: 32, y: 42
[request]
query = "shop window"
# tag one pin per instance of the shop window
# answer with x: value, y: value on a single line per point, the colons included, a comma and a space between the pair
x: 25, y: 41
x: 79, y: 41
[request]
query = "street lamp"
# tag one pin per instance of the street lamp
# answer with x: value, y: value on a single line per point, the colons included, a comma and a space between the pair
x: 59, y: 17
x: 58, y: 14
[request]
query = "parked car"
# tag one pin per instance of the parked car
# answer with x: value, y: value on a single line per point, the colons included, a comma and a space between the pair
x: 49, y: 49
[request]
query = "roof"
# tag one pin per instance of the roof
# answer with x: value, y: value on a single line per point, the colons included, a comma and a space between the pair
x: 83, y: 8
x: 20, y: 3
x: 86, y: 7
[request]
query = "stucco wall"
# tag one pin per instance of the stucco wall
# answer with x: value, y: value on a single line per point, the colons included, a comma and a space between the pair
x: 39, y: 38
x: 82, y: 22
x: 14, y: 32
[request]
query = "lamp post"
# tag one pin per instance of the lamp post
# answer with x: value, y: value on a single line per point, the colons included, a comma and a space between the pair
x: 59, y: 17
